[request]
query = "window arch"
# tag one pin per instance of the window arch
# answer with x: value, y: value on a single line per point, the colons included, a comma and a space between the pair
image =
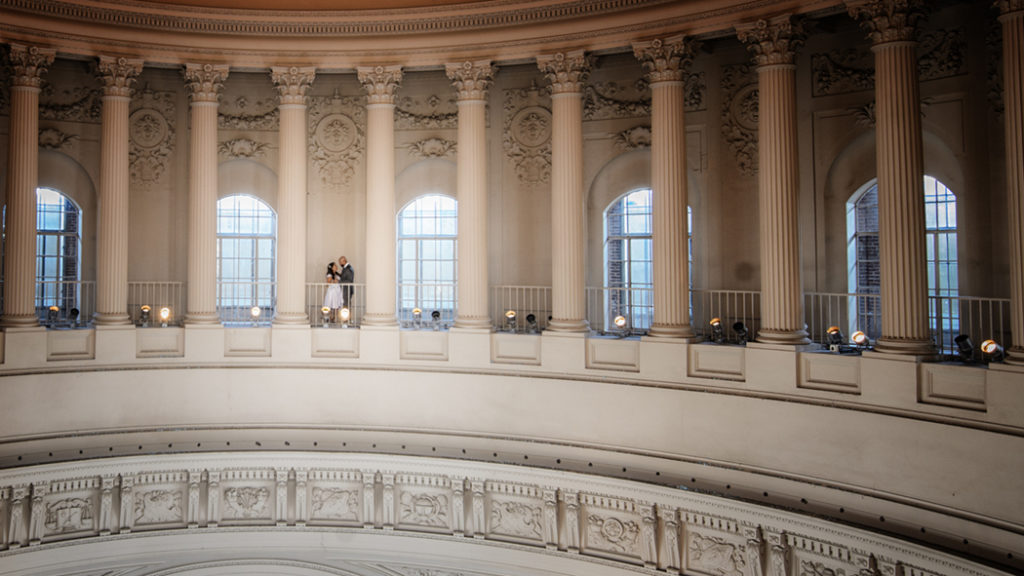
x: 628, y: 250
x: 58, y: 251
x: 427, y: 250
x: 246, y: 258
x: 942, y: 265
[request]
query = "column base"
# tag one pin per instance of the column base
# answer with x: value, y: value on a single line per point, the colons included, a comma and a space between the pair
x: 111, y: 319
x: 682, y: 331
x: 291, y: 319
x: 561, y: 325
x: 19, y: 321
x: 473, y: 323
x: 905, y: 346
x: 379, y: 320
x: 783, y: 337
x: 1015, y: 356
x: 200, y: 318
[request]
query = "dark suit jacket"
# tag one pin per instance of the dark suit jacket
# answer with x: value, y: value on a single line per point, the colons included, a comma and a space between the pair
x: 347, y: 277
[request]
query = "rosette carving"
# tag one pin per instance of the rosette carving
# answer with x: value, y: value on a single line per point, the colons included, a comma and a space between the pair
x: 337, y: 140
x: 151, y: 138
x: 740, y: 115
x: 527, y: 135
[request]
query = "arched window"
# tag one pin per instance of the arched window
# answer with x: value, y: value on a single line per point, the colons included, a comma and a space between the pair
x: 427, y: 244
x: 941, y: 243
x: 246, y: 257
x: 58, y: 251
x: 628, y: 271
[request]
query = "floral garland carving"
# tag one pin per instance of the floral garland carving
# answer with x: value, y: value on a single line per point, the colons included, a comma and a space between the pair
x: 337, y: 138
x: 740, y: 114
x: 151, y: 137
x: 527, y: 135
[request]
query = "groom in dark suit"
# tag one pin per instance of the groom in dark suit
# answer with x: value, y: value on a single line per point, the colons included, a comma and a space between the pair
x: 348, y: 276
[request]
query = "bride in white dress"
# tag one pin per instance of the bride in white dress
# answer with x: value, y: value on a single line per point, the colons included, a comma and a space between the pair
x: 334, y: 298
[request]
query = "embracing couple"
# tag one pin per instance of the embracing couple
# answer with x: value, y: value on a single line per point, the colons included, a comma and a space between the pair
x: 339, y: 273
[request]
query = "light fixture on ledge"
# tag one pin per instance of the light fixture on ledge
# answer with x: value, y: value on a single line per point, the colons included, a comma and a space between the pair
x: 531, y: 323
x: 435, y: 319
x: 255, y: 313
x: 621, y: 325
x: 73, y: 316
x: 165, y: 315
x: 741, y: 332
x: 717, y: 335
x: 51, y: 314
x: 964, y: 348
x: 835, y: 339
x: 345, y: 314
x: 860, y: 340
x: 510, y: 320
x: 992, y: 350
x: 144, y: 312
x: 417, y: 317
x: 325, y: 317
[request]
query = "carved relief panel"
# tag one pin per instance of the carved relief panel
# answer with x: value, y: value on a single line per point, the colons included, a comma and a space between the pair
x: 739, y: 114
x: 74, y: 104
x: 610, y: 527
x: 244, y: 112
x: 427, y: 112
x: 422, y: 502
x: 714, y: 546
x: 515, y: 512
x: 337, y: 138
x: 335, y: 497
x: 527, y: 134
x: 151, y: 136
x: 70, y: 508
x: 158, y: 500
x: 813, y: 557
x: 247, y: 496
x: 611, y: 100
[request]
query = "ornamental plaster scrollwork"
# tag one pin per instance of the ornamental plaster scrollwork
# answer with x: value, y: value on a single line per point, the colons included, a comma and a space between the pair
x: 430, y: 113
x: 337, y: 138
x: 432, y: 148
x: 842, y: 71
x: 243, y: 114
x: 714, y: 555
x: 605, y: 100
x: 246, y: 502
x: 158, y: 507
x: 79, y: 104
x: 809, y: 568
x: 424, y: 509
x: 54, y: 139
x: 527, y: 135
x: 943, y: 54
x: 242, y: 148
x: 335, y: 504
x: 613, y: 534
x: 516, y: 519
x: 635, y: 138
x: 864, y: 115
x: 151, y: 137
x: 740, y: 114
x: 994, y: 67
x: 69, y: 515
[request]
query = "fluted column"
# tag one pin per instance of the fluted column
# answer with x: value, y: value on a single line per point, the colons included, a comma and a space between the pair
x: 380, y: 83
x: 773, y: 44
x: 117, y: 75
x: 1012, y: 18
x: 665, y: 62
x: 204, y: 83
x: 901, y: 227
x: 567, y: 72
x: 28, y: 64
x: 471, y: 80
x: 292, y: 84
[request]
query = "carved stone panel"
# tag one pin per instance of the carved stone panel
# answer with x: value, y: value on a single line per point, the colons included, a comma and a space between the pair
x: 714, y: 555
x: 423, y: 502
x: 76, y: 104
x: 942, y: 53
x: 247, y: 496
x: 54, y: 139
x: 335, y: 504
x: 337, y: 139
x: 740, y: 114
x: 842, y: 71
x: 158, y: 506
x: 431, y: 112
x: 610, y: 527
x: 242, y: 148
x: 527, y: 135
x: 70, y: 514
x: 432, y: 148
x: 515, y: 512
x: 151, y: 136
x: 244, y: 113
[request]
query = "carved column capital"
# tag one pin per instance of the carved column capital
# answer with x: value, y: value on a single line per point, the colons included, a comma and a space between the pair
x: 773, y: 41
x: 29, y: 63
x: 887, y: 20
x: 1007, y: 7
x: 118, y: 75
x: 567, y: 71
x: 471, y: 79
x: 380, y: 82
x: 666, y: 60
x: 205, y: 81
x: 292, y: 82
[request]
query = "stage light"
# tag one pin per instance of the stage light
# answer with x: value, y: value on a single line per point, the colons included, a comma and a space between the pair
x: 741, y: 332
x: 964, y: 348
x: 860, y: 339
x: 254, y: 312
x: 165, y: 315
x: 51, y: 314
x: 325, y: 315
x: 435, y: 318
x: 992, y: 350
x: 621, y: 325
x: 345, y: 315
x: 510, y: 320
x: 144, y: 315
x: 835, y: 338
x: 717, y: 335
x: 531, y: 321
x: 73, y: 316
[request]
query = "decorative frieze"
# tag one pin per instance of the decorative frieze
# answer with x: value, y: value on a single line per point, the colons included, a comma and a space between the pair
x: 151, y: 137
x: 740, y: 114
x: 54, y: 139
x: 77, y: 104
x: 424, y: 502
x: 715, y: 555
x: 242, y: 148
x: 337, y: 138
x: 942, y: 53
x: 242, y: 113
x: 432, y: 148
x: 516, y: 512
x: 527, y: 134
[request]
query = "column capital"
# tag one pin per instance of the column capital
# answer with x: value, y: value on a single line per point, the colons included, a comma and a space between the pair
x: 205, y: 81
x: 567, y: 71
x: 471, y: 79
x: 29, y: 63
x: 887, y: 20
x: 666, y: 60
x: 380, y: 82
x: 773, y: 41
x: 292, y: 82
x: 118, y: 75
x: 1007, y: 7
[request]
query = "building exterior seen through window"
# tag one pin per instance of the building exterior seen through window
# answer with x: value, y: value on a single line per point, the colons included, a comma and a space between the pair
x: 427, y: 249
x: 246, y: 258
x: 58, y: 251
